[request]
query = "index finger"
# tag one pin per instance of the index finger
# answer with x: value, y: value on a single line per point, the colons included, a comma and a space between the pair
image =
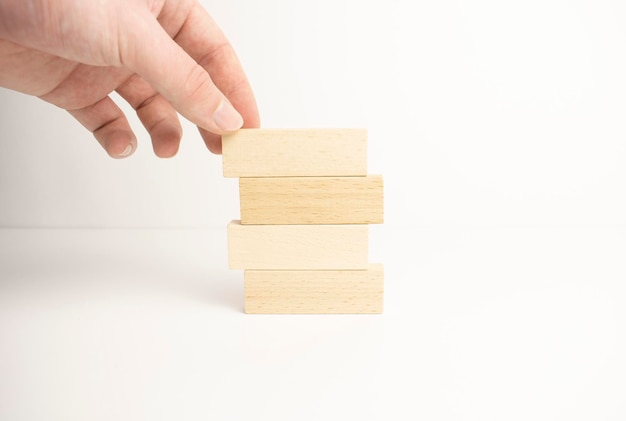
x: 148, y: 50
x: 207, y: 44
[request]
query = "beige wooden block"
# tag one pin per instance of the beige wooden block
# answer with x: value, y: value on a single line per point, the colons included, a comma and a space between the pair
x: 295, y: 152
x: 297, y: 246
x: 314, y: 292
x: 311, y: 200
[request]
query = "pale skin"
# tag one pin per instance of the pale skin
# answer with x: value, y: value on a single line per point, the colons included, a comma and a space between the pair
x: 164, y: 57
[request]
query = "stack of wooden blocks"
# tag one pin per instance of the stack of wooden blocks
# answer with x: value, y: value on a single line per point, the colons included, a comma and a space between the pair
x: 306, y: 202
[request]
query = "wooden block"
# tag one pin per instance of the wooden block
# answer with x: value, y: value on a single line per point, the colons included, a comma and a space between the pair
x: 295, y: 152
x: 311, y: 200
x: 314, y: 292
x: 297, y: 246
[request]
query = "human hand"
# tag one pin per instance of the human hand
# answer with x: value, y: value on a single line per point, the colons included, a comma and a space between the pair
x: 164, y: 57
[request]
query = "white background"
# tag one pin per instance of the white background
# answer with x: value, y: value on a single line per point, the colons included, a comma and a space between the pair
x: 482, y: 112
x: 499, y: 128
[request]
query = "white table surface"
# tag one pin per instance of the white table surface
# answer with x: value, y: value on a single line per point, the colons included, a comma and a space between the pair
x: 480, y: 323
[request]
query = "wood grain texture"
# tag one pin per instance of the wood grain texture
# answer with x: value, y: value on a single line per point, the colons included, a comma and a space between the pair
x: 311, y: 200
x: 297, y: 246
x: 314, y: 292
x: 295, y: 152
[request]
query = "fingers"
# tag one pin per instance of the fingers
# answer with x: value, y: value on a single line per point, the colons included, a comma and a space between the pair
x: 88, y: 85
x: 198, y: 72
x: 204, y: 41
x: 150, y: 52
x: 109, y: 126
x: 155, y: 113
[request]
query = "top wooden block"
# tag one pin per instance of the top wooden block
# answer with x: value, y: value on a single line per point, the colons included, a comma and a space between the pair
x: 295, y: 152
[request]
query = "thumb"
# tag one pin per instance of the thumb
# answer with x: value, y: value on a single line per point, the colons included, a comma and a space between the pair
x: 151, y: 53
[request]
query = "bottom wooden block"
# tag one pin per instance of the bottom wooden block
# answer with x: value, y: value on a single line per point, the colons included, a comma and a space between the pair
x: 314, y: 291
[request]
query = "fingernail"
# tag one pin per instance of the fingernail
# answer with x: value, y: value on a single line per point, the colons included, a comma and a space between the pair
x: 127, y: 151
x: 226, y: 117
